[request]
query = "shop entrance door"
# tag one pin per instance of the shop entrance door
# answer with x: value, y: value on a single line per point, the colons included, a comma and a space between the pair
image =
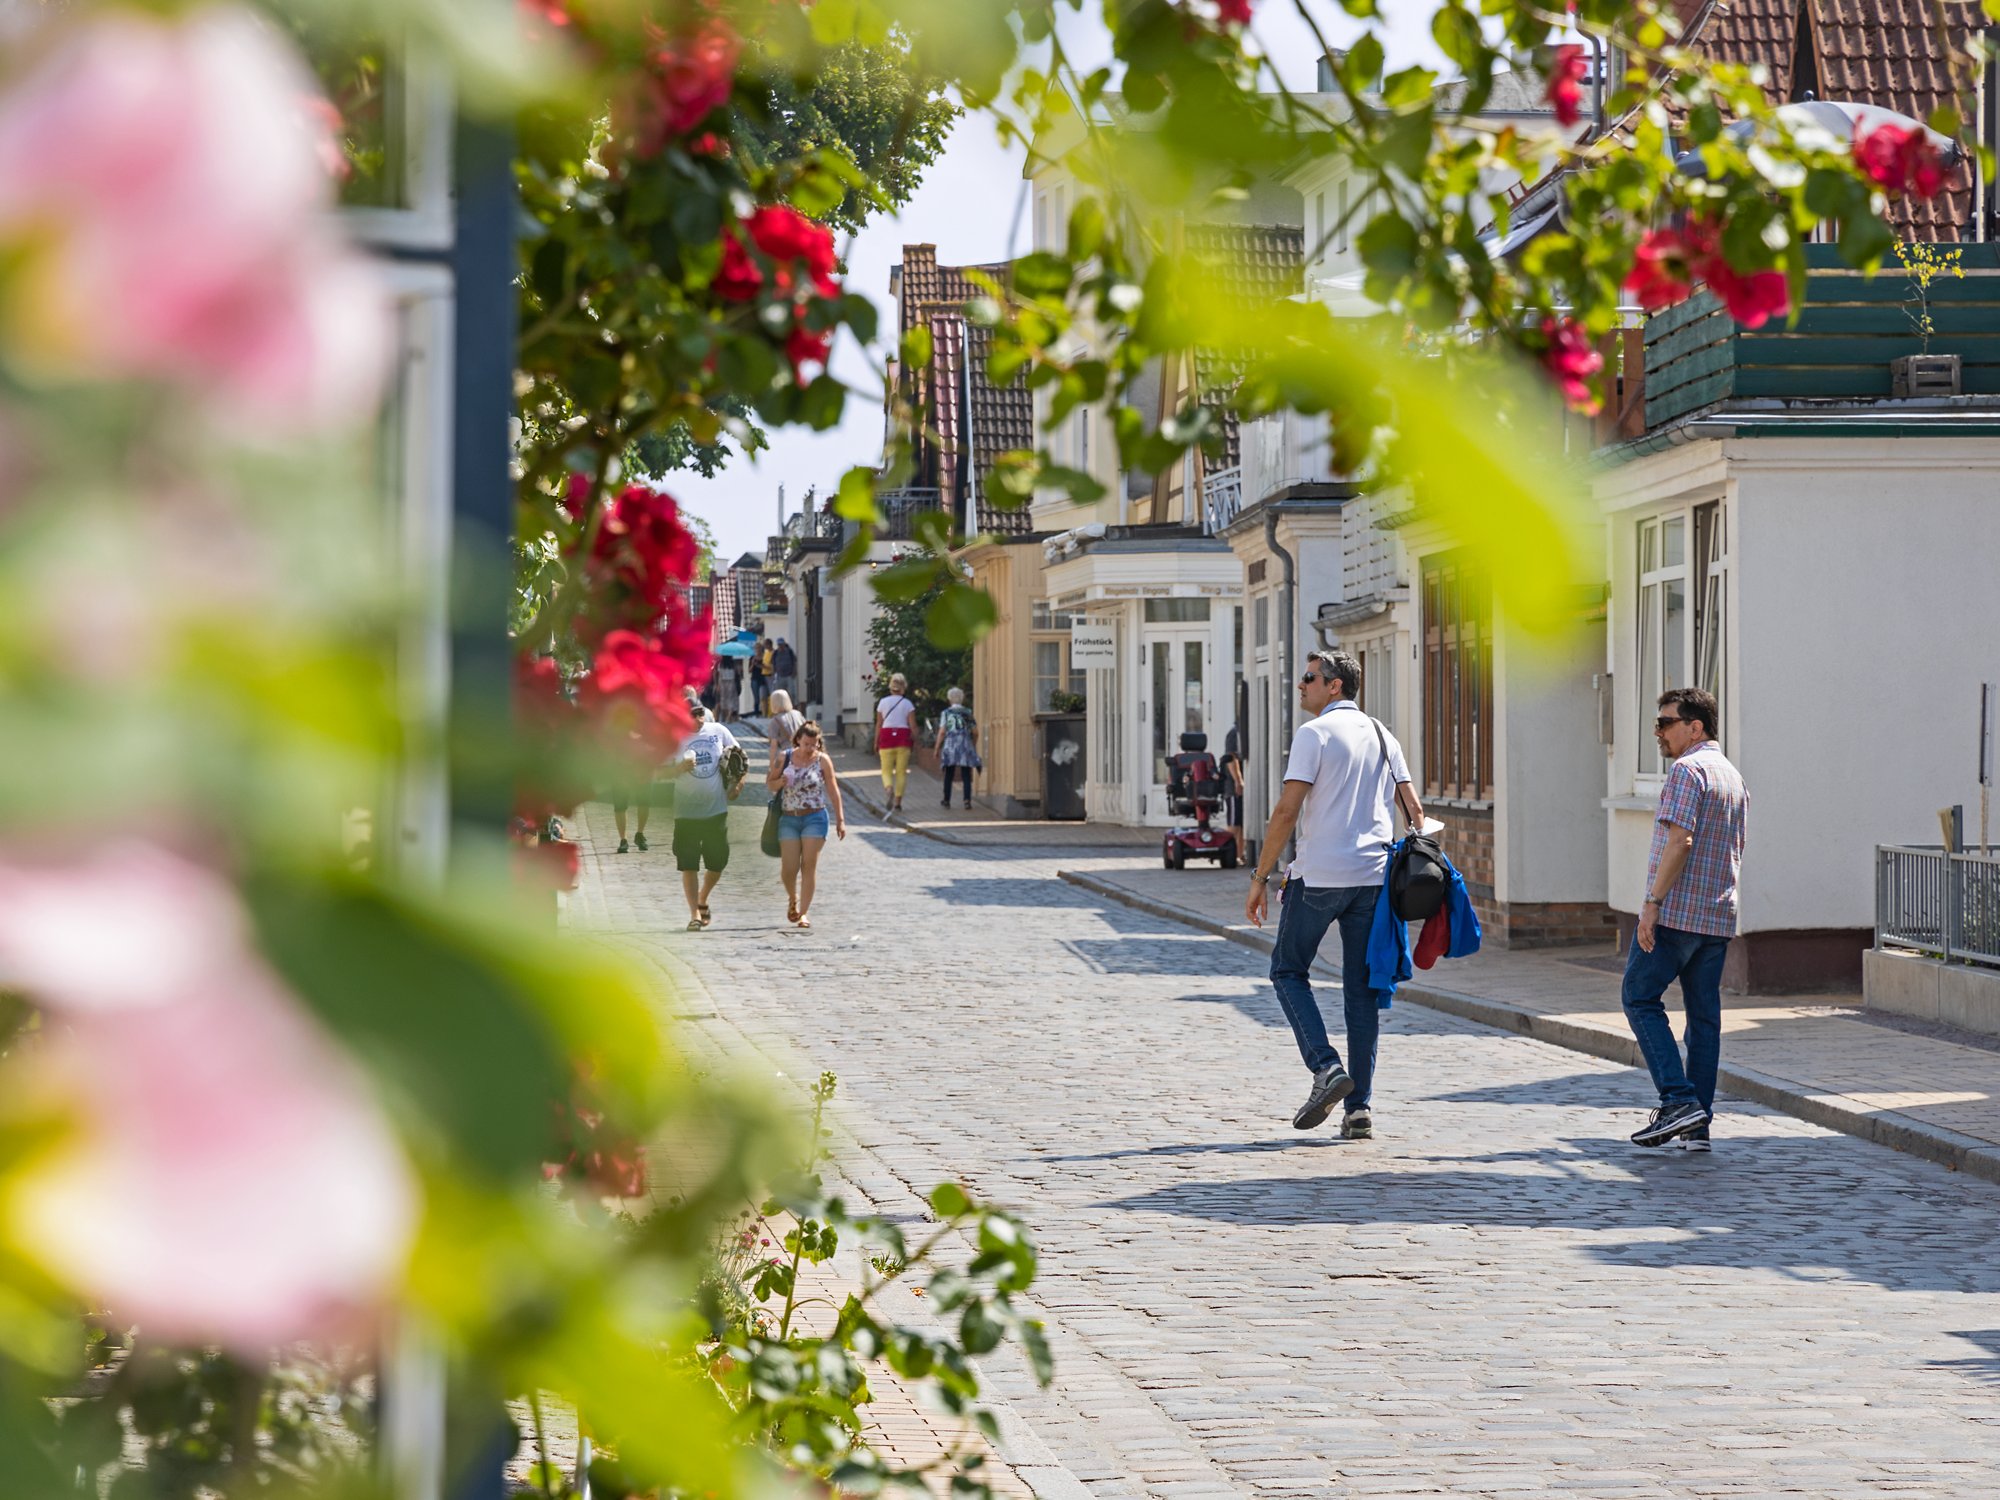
x: 1177, y: 673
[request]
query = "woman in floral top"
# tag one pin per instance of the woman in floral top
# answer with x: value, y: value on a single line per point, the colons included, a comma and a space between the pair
x: 808, y: 801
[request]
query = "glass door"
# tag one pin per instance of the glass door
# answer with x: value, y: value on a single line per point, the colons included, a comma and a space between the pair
x: 1177, y: 702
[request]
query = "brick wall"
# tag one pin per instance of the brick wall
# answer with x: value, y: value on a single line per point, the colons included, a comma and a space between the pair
x: 1468, y: 844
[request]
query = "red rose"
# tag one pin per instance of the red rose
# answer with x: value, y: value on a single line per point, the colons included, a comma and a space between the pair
x: 1234, y: 12
x: 1565, y: 88
x: 1752, y: 297
x: 692, y: 77
x: 804, y: 347
x: 1660, y: 275
x: 1570, y: 358
x: 551, y: 864
x: 739, y: 276
x: 1668, y: 259
x: 1901, y: 161
x: 785, y: 234
x: 632, y: 697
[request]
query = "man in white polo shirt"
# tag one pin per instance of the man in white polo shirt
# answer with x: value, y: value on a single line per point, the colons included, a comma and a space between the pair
x: 1342, y: 781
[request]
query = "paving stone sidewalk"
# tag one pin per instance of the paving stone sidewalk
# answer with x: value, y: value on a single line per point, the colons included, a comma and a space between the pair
x: 1928, y: 1090
x: 1498, y: 1297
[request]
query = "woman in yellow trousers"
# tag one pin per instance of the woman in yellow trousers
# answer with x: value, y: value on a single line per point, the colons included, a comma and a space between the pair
x: 895, y: 734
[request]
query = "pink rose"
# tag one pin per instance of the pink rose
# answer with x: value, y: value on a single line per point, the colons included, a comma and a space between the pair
x: 228, y: 1175
x: 164, y: 192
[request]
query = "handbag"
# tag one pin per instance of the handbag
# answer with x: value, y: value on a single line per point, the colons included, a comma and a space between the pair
x: 768, y: 841
x: 1419, y: 876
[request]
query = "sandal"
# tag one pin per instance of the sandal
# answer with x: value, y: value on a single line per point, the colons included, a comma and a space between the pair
x: 805, y: 923
x: 791, y: 911
x: 695, y: 924
x: 706, y: 916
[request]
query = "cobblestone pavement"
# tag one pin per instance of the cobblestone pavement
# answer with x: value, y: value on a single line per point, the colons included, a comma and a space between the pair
x: 1499, y: 1296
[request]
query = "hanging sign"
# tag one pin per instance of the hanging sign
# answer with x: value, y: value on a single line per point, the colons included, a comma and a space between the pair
x: 1092, y: 645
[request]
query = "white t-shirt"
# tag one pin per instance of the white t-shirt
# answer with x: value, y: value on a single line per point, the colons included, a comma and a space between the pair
x: 896, y: 711
x: 1347, y: 822
x: 700, y: 793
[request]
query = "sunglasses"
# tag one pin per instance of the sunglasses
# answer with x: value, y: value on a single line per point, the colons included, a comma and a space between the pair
x: 1309, y: 677
x: 1665, y: 719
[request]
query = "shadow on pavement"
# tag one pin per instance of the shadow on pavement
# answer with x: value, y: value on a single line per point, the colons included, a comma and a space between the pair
x: 1758, y: 1202
x: 1985, y: 1370
x: 1001, y: 891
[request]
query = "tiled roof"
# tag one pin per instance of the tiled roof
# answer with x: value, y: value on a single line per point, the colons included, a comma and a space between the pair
x: 1881, y: 52
x: 1250, y: 263
x: 934, y: 296
x: 926, y: 284
x: 1003, y: 419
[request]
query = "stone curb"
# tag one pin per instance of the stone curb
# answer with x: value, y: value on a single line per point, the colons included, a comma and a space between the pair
x: 1841, y: 1112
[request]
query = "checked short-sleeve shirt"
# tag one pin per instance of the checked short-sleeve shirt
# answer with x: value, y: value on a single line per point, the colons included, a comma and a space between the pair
x: 1705, y: 795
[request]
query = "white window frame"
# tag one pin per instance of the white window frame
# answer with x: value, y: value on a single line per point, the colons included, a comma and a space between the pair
x: 1703, y: 574
x: 1340, y: 224
x: 422, y: 111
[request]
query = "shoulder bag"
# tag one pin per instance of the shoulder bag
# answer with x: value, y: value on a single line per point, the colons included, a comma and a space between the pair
x: 1419, y: 877
x: 769, y: 842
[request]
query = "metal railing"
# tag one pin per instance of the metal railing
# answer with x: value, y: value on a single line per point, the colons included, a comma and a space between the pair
x: 900, y: 507
x: 1934, y: 902
x: 1221, y: 499
x: 809, y: 525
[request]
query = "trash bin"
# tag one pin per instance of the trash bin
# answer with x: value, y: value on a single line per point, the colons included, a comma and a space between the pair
x: 1062, y: 765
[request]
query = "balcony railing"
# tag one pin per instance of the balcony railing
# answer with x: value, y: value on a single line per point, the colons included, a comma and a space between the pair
x: 1221, y: 499
x: 1934, y: 902
x: 806, y: 526
x: 901, y: 507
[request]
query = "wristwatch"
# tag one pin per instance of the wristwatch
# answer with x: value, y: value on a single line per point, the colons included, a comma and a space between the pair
x: 1263, y: 879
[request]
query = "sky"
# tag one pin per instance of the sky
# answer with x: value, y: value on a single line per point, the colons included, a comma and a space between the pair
x: 968, y: 206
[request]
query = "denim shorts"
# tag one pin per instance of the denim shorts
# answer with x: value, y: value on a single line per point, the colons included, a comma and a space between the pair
x: 812, y: 825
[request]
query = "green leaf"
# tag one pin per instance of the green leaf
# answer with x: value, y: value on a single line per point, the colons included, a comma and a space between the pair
x: 1865, y: 239
x: 1042, y: 274
x: 901, y: 582
x: 431, y: 1013
x: 1362, y: 66
x: 1036, y: 1344
x: 1408, y: 86
x: 918, y: 348
x: 949, y: 1200
x: 1388, y: 245
x: 960, y: 615
x: 855, y: 499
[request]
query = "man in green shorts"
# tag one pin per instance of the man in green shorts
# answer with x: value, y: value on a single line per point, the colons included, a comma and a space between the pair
x: 701, y: 815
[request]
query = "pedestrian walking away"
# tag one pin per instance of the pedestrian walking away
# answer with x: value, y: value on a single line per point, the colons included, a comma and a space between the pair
x: 760, y: 671
x: 958, y: 743
x: 1232, y: 787
x: 703, y: 791
x: 636, y: 794
x: 1688, y: 917
x: 783, y: 724
x: 895, y: 733
x: 1343, y: 777
x: 784, y: 664
x: 808, y: 801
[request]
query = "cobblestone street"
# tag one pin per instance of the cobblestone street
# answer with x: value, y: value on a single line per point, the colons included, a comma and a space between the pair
x: 1498, y: 1296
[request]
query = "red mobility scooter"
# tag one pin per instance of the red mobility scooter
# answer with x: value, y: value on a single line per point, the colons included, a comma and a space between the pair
x: 1194, y: 789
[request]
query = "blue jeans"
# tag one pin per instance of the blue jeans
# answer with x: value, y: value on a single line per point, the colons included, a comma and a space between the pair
x: 811, y: 825
x: 1695, y: 959
x: 1304, y: 914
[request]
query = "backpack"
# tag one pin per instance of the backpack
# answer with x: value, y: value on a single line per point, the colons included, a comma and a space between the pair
x: 1419, y: 874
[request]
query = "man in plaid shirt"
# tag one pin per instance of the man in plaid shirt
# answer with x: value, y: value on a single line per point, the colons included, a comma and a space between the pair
x: 1689, y: 917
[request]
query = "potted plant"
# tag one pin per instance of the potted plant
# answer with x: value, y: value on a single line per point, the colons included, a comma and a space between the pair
x: 1925, y: 374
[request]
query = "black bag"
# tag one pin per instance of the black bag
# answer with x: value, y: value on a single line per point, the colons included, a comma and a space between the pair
x: 1419, y: 876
